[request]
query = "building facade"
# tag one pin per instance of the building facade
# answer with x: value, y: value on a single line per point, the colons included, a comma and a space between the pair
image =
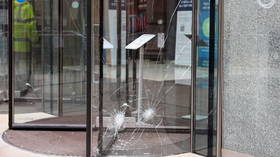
x: 208, y: 79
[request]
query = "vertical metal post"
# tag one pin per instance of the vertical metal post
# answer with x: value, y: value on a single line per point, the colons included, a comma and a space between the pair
x: 140, y: 83
x: 100, y: 38
x: 11, y: 64
x: 193, y: 80
x: 134, y: 73
x: 51, y: 58
x: 43, y: 40
x: 119, y: 48
x: 211, y: 75
x: 60, y: 58
x: 50, y: 52
x: 133, y: 35
x: 89, y: 82
x: 220, y: 78
x: 127, y: 57
x: 128, y: 112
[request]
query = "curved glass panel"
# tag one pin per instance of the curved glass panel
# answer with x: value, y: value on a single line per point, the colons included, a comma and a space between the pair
x: 49, y: 47
x: 205, y: 127
x: 3, y: 52
x: 147, y: 85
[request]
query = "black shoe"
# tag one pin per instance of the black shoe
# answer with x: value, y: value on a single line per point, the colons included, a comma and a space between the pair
x: 27, y: 89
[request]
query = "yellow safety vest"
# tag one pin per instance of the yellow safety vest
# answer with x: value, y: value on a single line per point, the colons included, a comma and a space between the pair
x: 24, y: 27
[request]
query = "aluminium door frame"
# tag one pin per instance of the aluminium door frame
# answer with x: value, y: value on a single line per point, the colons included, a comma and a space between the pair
x: 193, y: 81
x: 219, y: 91
x: 220, y: 79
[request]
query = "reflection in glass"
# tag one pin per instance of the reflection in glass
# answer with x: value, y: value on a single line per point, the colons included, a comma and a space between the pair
x: 148, y: 116
x: 49, y: 47
x: 3, y: 52
x: 146, y: 93
x: 206, y: 78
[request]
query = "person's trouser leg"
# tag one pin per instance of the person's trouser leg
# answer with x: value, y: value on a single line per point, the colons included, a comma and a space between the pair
x: 20, y: 70
x: 22, y: 73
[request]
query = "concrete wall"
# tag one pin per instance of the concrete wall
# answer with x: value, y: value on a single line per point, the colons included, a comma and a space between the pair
x: 251, y: 111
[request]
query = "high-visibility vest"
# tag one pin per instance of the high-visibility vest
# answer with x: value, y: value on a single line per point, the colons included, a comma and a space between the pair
x: 24, y: 27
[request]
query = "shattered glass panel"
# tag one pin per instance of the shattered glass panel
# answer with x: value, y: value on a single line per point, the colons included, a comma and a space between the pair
x: 146, y: 87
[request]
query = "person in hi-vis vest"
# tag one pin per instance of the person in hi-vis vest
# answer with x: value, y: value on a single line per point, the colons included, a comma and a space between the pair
x: 24, y: 36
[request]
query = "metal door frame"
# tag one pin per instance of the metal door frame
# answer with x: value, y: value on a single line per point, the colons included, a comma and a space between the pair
x: 194, y: 45
x: 101, y: 127
x: 218, y: 105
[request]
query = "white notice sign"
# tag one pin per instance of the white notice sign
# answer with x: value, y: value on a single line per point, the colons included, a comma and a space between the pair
x: 183, y: 44
x: 139, y: 42
x: 107, y: 44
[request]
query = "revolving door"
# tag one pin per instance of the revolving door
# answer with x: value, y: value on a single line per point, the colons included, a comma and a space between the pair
x: 157, y: 75
x: 47, y: 52
x: 140, y: 76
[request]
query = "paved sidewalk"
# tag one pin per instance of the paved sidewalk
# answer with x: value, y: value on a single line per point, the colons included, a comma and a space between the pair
x: 7, y: 150
x: 186, y: 155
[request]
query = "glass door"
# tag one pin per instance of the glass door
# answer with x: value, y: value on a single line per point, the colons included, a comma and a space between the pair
x: 158, y: 99
x: 204, y: 132
x: 47, y: 62
x: 3, y: 51
x: 145, y: 107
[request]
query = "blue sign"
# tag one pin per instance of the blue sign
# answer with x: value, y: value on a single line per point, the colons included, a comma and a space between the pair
x: 204, y: 21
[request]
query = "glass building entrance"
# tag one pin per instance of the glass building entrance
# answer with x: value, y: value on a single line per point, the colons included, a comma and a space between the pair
x: 140, y: 76
x: 146, y: 97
